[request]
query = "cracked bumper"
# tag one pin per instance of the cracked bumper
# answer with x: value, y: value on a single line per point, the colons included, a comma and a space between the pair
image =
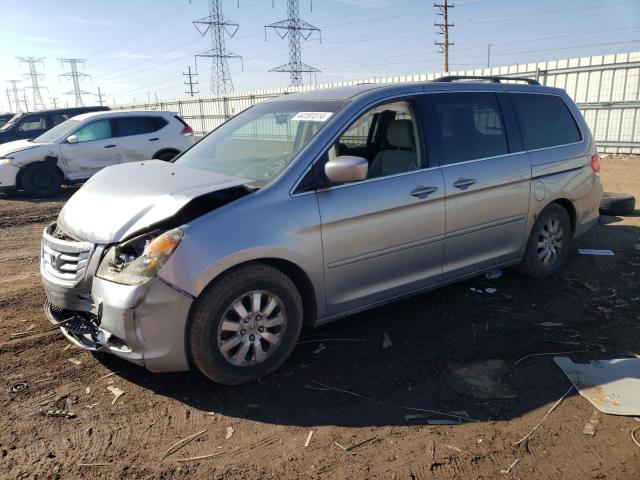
x: 8, y: 175
x: 144, y: 324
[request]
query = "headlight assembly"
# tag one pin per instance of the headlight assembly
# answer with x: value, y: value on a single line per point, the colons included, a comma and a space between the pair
x: 139, y: 259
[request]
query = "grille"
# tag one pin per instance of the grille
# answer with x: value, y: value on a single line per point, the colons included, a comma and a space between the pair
x: 64, y: 262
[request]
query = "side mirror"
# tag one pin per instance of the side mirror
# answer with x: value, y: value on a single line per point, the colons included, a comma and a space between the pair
x: 346, y: 168
x: 72, y: 139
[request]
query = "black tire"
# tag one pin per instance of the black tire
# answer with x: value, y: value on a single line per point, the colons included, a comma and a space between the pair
x: 216, y: 300
x: 166, y: 156
x: 617, y: 204
x: 41, y: 180
x: 532, y: 264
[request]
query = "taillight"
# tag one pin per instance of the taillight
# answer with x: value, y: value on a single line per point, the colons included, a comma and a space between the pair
x: 187, y: 131
x: 595, y: 163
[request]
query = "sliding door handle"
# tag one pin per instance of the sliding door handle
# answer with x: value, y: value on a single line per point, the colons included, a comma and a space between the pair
x: 422, y: 192
x: 109, y: 146
x: 464, y: 183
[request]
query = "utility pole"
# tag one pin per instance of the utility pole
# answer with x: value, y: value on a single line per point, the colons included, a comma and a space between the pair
x: 489, y: 55
x: 100, y: 96
x: 9, y: 99
x: 75, y: 76
x: 54, y: 100
x: 190, y: 82
x: 296, y: 29
x: 38, y: 102
x: 443, y: 11
x: 14, y: 90
x: 24, y: 98
x: 217, y: 26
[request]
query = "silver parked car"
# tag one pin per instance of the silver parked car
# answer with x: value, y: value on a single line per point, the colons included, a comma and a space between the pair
x: 311, y: 207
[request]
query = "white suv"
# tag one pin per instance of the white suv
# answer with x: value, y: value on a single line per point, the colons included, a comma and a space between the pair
x: 85, y: 144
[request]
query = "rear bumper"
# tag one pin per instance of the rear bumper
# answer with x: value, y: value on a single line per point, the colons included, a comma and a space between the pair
x: 144, y: 324
x: 588, y: 208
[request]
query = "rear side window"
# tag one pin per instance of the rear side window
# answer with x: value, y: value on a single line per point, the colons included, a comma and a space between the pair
x: 57, y: 118
x: 545, y: 120
x: 465, y: 126
x: 138, y: 125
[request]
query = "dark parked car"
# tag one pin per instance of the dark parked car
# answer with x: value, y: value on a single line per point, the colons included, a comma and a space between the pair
x: 33, y: 124
x: 4, y: 118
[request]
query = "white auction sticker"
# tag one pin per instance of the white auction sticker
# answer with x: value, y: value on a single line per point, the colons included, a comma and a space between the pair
x: 313, y: 116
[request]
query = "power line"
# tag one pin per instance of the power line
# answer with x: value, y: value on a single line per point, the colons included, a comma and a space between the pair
x: 191, y: 83
x: 296, y: 29
x: 443, y: 11
x: 38, y: 102
x: 217, y: 26
x: 75, y: 76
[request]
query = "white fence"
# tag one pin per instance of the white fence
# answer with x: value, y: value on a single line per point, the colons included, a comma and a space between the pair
x: 606, y: 88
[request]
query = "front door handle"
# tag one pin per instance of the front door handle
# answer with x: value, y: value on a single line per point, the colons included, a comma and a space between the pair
x: 109, y: 146
x: 421, y: 191
x: 154, y: 139
x: 464, y: 183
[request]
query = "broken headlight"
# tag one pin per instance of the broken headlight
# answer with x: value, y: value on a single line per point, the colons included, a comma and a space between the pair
x: 139, y: 259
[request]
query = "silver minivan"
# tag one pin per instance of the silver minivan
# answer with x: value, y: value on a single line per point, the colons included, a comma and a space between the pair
x: 310, y: 207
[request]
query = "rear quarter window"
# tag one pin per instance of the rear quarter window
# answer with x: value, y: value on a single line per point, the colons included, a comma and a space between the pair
x: 138, y: 125
x: 545, y: 120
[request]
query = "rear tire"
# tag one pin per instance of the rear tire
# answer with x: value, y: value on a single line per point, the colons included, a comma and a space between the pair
x: 41, y: 180
x: 549, y: 243
x: 233, y: 348
x: 617, y: 204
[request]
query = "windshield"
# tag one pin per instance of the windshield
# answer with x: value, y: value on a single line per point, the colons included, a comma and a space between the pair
x: 261, y: 141
x: 59, y: 132
x: 11, y: 121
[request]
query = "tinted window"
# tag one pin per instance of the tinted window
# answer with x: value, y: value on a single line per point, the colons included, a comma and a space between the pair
x: 33, y: 123
x: 58, y: 118
x: 465, y: 126
x: 545, y: 120
x: 94, y: 131
x: 126, y: 126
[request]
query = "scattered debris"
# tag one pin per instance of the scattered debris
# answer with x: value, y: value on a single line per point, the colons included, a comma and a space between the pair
x: 181, y: 443
x: 92, y: 405
x: 611, y: 386
x: 493, y: 274
x: 108, y: 374
x: 484, y: 380
x: 633, y: 435
x: 21, y: 334
x: 17, y: 387
x: 443, y: 422
x: 353, y: 447
x: 544, y: 354
x: 413, y: 416
x: 56, y: 413
x: 102, y: 464
x: 306, y: 444
x: 551, y: 324
x: 230, y: 431
x: 451, y: 447
x: 476, y: 290
x: 508, y: 470
x: 75, y: 361
x: 590, y: 426
x: 193, y: 459
x: 386, y: 341
x: 490, y: 290
x: 593, y: 251
x: 320, y: 348
x: 545, y: 416
x: 116, y: 392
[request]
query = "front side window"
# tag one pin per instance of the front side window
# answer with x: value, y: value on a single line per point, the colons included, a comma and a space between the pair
x: 59, y: 132
x: 33, y: 124
x: 387, y: 136
x: 137, y: 125
x: 98, y: 130
x: 545, y: 120
x: 465, y: 126
x: 258, y: 143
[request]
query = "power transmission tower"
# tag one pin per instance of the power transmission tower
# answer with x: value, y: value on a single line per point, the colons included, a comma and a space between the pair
x: 100, y: 96
x: 217, y: 26
x: 296, y: 29
x: 443, y: 11
x: 191, y: 83
x: 24, y: 98
x: 75, y: 76
x: 54, y: 100
x: 38, y: 102
x: 15, y: 90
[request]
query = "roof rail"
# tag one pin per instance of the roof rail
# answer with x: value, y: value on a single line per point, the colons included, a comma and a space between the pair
x: 492, y: 79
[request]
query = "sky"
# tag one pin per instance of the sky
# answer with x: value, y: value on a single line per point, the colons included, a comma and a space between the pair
x: 139, y: 49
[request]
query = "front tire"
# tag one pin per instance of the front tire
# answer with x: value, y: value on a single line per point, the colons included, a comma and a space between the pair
x: 245, y: 325
x: 549, y: 243
x: 41, y: 180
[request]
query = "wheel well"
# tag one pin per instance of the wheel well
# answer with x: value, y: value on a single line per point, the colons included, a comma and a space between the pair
x: 51, y: 161
x: 165, y: 150
x: 571, y: 210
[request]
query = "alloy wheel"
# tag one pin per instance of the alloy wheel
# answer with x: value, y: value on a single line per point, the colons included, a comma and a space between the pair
x: 550, y: 241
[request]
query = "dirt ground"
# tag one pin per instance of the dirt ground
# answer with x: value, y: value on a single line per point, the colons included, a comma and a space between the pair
x: 259, y: 430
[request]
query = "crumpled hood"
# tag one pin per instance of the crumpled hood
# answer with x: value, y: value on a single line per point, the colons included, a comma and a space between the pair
x: 17, y: 146
x: 122, y: 199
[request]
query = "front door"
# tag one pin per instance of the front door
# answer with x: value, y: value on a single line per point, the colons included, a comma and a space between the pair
x: 486, y: 177
x: 96, y: 149
x: 382, y: 236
